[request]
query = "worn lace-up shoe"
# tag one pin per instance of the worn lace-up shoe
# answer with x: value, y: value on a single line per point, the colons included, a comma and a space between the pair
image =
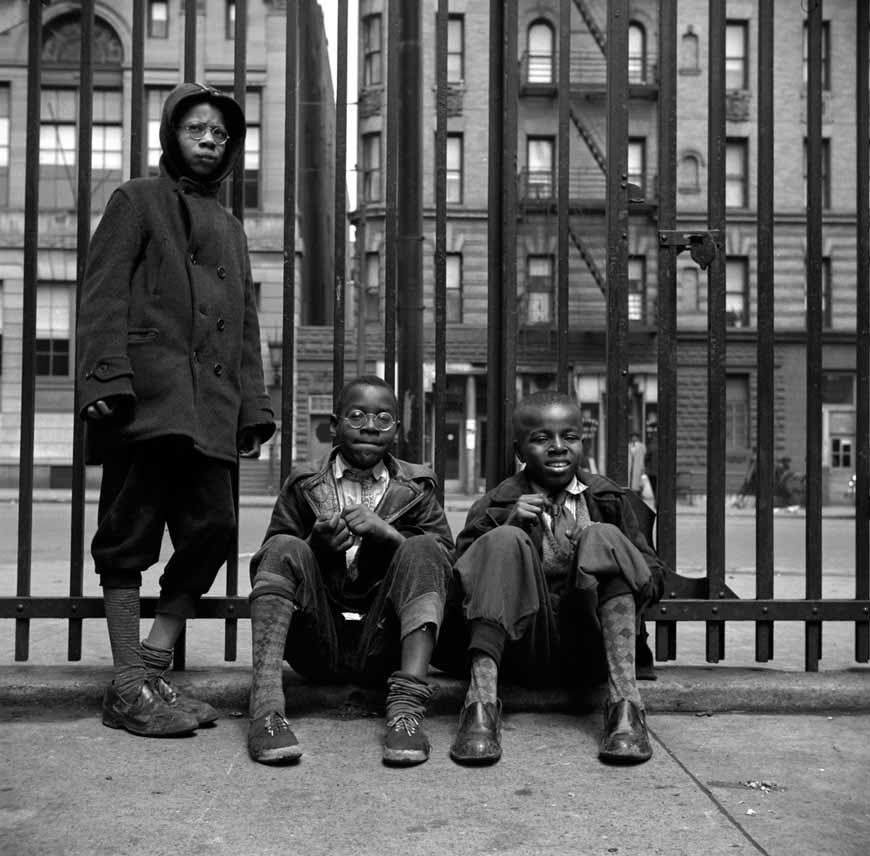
x: 203, y: 712
x: 478, y: 740
x: 271, y: 740
x: 626, y: 740
x: 147, y: 715
x: 406, y: 742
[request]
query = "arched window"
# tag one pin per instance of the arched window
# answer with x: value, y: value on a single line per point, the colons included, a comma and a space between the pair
x: 689, y: 174
x: 636, y: 53
x: 58, y: 134
x: 540, y: 50
x: 689, y: 52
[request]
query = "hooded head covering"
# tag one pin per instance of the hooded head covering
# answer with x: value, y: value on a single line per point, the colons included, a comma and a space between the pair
x: 178, y: 102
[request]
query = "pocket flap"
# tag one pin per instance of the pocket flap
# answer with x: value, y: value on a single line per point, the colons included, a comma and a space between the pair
x: 110, y: 368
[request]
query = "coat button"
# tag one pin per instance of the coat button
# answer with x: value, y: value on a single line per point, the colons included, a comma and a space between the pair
x: 221, y: 324
x: 218, y: 369
x: 221, y: 272
x: 102, y: 368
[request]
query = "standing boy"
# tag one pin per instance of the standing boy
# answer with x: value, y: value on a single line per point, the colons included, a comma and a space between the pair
x: 170, y: 381
x: 359, y: 533
x: 551, y: 575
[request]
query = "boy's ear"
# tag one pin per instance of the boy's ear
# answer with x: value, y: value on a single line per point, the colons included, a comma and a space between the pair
x: 519, y: 452
x: 333, y: 425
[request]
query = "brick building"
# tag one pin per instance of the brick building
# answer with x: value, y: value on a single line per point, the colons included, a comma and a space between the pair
x: 468, y: 74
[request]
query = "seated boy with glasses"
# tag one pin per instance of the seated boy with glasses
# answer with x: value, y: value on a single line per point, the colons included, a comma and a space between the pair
x: 358, y: 533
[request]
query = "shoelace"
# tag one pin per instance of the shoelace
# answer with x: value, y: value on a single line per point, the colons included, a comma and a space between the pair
x: 406, y: 722
x: 275, y: 723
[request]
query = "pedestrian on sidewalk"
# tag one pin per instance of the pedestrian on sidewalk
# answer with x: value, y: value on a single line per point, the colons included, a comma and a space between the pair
x: 552, y: 574
x: 170, y: 381
x: 636, y: 462
x: 350, y: 581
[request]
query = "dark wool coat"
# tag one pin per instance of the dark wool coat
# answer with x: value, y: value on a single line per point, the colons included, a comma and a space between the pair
x: 607, y: 503
x: 410, y: 505
x: 167, y: 324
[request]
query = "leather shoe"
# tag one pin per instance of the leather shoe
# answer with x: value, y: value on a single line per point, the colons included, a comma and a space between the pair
x: 625, y: 740
x: 478, y: 738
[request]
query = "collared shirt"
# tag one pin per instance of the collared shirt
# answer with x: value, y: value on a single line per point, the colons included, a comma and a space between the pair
x: 575, y: 502
x: 353, y: 487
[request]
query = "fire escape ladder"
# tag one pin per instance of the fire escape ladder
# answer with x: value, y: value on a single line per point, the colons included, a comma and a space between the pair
x: 588, y: 138
x: 596, y: 31
x: 587, y: 258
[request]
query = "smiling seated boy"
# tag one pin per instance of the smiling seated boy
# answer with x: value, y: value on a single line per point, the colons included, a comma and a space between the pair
x: 359, y: 532
x: 552, y: 572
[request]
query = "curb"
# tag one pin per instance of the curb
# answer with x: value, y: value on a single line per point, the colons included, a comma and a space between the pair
x: 72, y: 690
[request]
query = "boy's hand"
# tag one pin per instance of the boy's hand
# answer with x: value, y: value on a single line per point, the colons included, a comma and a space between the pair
x: 100, y: 409
x: 249, y: 444
x: 362, y: 521
x: 332, y: 531
x: 527, y: 511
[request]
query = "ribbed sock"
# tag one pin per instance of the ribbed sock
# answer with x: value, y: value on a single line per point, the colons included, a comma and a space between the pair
x: 406, y: 693
x: 156, y: 660
x: 483, y: 685
x: 270, y: 621
x: 122, y: 621
x: 618, y: 628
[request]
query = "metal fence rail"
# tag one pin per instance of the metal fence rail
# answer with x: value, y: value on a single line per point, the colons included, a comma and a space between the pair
x: 708, y: 600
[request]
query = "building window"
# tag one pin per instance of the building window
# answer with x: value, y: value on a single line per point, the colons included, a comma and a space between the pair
x: 456, y: 49
x: 4, y: 144
x: 737, y: 292
x: 372, y: 50
x: 372, y: 287
x: 539, y: 290
x: 827, y: 289
x: 636, y: 53
x: 230, y: 20
x: 371, y: 167
x: 453, y: 271
x: 58, y: 147
x: 637, y: 163
x: 454, y: 168
x: 737, y: 413
x: 637, y: 289
x: 158, y: 19
x: 540, y: 53
x: 736, y: 64
x: 736, y: 181
x: 539, y: 157
x: 826, y: 173
x: 826, y: 55
x: 155, y: 98
x: 253, y: 113
x: 53, y: 328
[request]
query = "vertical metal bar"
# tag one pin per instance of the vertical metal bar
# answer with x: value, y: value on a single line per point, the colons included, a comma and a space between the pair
x: 862, y: 344
x: 440, y: 429
x: 190, y: 40
x: 617, y: 240
x: 28, y: 331
x: 340, y: 223
x: 240, y: 84
x: 666, y: 530
x: 390, y: 165
x: 564, y: 155
x: 137, y: 91
x: 288, y: 326
x: 814, y: 328
x: 765, y: 341
x: 495, y: 335
x: 716, y: 327
x: 409, y: 269
x: 83, y: 234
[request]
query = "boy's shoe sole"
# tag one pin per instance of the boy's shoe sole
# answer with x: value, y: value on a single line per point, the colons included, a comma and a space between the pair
x: 147, y: 716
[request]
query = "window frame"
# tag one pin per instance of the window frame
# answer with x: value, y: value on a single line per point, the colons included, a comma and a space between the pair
x: 230, y: 20
x: 373, y: 57
x: 454, y: 53
x: 157, y: 28
x: 826, y: 55
x: 637, y: 288
x: 453, y: 288
x: 543, y: 283
x: 548, y: 185
x: 734, y: 263
x: 737, y: 64
x: 540, y: 65
x: 454, y: 168
x: 370, y: 173
x: 738, y: 180
x: 738, y: 437
x: 637, y: 60
x: 253, y: 197
x: 826, y: 172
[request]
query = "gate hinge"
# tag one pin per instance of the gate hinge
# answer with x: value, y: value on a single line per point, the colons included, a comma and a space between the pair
x: 702, y: 246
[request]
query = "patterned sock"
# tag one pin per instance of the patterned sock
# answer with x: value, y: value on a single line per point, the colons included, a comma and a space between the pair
x: 156, y: 660
x: 618, y: 628
x: 270, y: 621
x: 483, y: 685
x: 122, y: 621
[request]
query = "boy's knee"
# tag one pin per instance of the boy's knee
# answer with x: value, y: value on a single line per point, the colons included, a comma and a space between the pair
x: 280, y: 564
x: 423, y: 545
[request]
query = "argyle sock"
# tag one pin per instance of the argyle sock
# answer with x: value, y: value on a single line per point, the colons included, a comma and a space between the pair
x: 618, y: 628
x: 156, y: 660
x: 122, y: 621
x: 483, y: 685
x: 270, y: 621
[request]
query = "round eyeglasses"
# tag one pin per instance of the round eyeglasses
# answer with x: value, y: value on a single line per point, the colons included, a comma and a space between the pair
x: 197, y: 130
x: 383, y: 421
